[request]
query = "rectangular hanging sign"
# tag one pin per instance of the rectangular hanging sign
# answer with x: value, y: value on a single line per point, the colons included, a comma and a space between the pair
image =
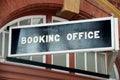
x: 85, y: 35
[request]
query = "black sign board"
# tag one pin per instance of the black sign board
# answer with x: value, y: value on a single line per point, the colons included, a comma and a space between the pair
x: 85, y: 35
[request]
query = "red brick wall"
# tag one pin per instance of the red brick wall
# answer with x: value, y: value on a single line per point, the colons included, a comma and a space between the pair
x: 10, y: 8
x: 16, y: 72
x: 93, y: 8
x: 118, y: 64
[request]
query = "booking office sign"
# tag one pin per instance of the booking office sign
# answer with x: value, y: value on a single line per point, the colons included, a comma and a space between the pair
x: 99, y: 34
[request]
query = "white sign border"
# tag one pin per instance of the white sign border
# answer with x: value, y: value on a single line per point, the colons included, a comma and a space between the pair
x: 66, y: 51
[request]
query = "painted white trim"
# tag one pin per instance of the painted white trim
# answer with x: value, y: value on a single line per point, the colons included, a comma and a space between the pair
x: 69, y: 22
x: 6, y: 35
x: 31, y: 21
x: 9, y: 48
x: 112, y: 32
x: 85, y: 59
x: 75, y: 54
x: 3, y: 43
x: 51, y: 59
x: 106, y: 65
x: 44, y: 58
x: 116, y: 34
x: 96, y: 63
x: 30, y: 58
x: 58, y: 19
x: 56, y: 52
x: 22, y: 18
x: 67, y: 60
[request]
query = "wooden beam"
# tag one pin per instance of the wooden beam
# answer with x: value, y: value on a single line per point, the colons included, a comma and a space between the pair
x: 72, y: 5
x: 69, y: 9
x: 110, y: 7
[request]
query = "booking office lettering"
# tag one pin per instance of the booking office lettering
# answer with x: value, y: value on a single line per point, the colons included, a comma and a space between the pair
x: 56, y: 38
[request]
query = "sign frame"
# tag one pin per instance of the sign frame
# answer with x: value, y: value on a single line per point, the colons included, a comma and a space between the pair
x: 114, y: 35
